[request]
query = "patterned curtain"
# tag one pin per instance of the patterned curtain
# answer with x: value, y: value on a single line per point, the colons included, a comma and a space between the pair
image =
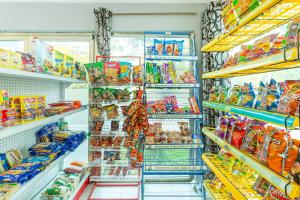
x: 103, y: 30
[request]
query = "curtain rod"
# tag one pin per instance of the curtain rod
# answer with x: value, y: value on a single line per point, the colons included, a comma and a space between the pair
x: 171, y: 13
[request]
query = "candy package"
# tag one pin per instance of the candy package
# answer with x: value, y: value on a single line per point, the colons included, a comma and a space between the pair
x: 272, y: 97
x: 69, y: 66
x: 125, y: 72
x: 247, y: 96
x: 290, y: 100
x: 275, y: 194
x: 41, y: 106
x: 234, y: 95
x: 213, y: 94
x: 28, y: 63
x: 194, y: 106
x: 158, y: 47
x: 112, y: 71
x: 137, y: 74
x: 28, y: 108
x: 261, y: 97
x: 95, y: 72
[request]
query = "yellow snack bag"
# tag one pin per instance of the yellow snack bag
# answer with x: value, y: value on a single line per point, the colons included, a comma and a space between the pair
x: 28, y: 108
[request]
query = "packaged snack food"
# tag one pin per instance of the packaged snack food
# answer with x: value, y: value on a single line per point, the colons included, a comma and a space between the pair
x: 8, y: 117
x: 13, y: 157
x: 158, y: 47
x: 69, y: 66
x: 96, y: 111
x: 178, y: 47
x: 292, y: 154
x: 156, y: 73
x: 234, y: 95
x: 293, y: 32
x: 237, y: 134
x: 172, y: 72
x: 125, y: 72
x: 59, y: 63
x: 28, y: 63
x: 112, y: 71
x: 231, y: 61
x: 261, y: 186
x: 187, y: 77
x: 95, y: 72
x: 137, y: 74
x: 28, y: 108
x: 149, y: 72
x: 168, y: 47
x: 14, y: 176
x: 276, y: 194
x: 5, y: 57
x: 114, y: 126
x: 223, y: 93
x: 194, y: 106
x: 41, y: 106
x: 290, y: 100
x: 123, y: 95
x: 213, y: 95
x: 97, y: 127
x: 15, y: 104
x: 247, y: 96
x: 295, y: 172
x: 4, y: 166
x: 261, y: 96
x: 15, y: 59
x: 43, y: 54
x: 272, y: 97
x: 111, y: 111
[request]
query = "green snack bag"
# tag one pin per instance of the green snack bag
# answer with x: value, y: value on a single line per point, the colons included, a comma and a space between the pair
x: 95, y: 72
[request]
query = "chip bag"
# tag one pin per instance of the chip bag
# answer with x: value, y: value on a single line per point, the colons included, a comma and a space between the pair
x: 272, y: 97
x: 95, y: 72
x: 234, y: 95
x: 261, y: 96
x: 247, y: 96
x: 125, y: 71
x: 290, y: 100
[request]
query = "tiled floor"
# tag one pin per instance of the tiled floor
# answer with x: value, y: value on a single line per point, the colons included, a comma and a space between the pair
x: 161, y: 192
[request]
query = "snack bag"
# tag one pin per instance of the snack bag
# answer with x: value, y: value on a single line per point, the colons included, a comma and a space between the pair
x: 295, y: 172
x: 15, y: 104
x: 13, y: 157
x: 158, y: 47
x: 178, y: 47
x: 95, y: 72
x: 111, y: 111
x: 172, y: 72
x: 272, y: 97
x: 261, y: 97
x: 237, y: 134
x: 234, y: 95
x: 276, y: 194
x: 156, y: 73
x: 125, y: 71
x: 168, y: 47
x: 43, y: 54
x: 28, y: 63
x: 166, y: 74
x: 231, y: 61
x: 290, y: 100
x: 69, y: 66
x: 112, y: 71
x: 213, y: 95
x: 28, y: 108
x: 149, y: 72
x: 137, y: 74
x: 4, y: 166
x: 243, y: 54
x: 194, y: 106
x: 292, y: 154
x: 229, y: 16
x: 41, y: 106
x: 223, y: 93
x: 261, y: 186
x: 292, y: 33
x: 59, y: 63
x: 247, y: 96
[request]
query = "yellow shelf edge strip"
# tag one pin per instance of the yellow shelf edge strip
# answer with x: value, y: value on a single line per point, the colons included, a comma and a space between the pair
x: 293, y: 189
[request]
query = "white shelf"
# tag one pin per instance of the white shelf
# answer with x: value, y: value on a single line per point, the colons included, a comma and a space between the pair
x: 9, y: 131
x: 33, y: 75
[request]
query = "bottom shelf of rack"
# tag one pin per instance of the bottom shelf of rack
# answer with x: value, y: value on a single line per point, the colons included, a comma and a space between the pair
x: 215, y: 194
x: 240, y: 188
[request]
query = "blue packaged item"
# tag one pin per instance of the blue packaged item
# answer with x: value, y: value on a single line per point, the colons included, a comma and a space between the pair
x: 168, y: 47
x: 272, y: 97
x: 37, y: 159
x: 261, y: 96
x: 247, y: 96
x: 31, y: 167
x: 14, y: 176
x: 45, y: 134
x: 178, y: 47
x: 158, y: 47
x: 4, y: 166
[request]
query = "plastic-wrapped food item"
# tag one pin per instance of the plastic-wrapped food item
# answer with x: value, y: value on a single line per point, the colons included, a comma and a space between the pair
x: 172, y: 72
x: 111, y: 111
x: 292, y: 155
x: 41, y: 106
x: 194, y: 106
x: 187, y: 77
x: 114, y: 126
x: 13, y: 157
x: 234, y: 95
x: 137, y: 74
x: 44, y: 160
x: 95, y: 72
x: 123, y: 95
x: 261, y: 186
x: 223, y: 93
x: 96, y: 111
x: 168, y: 47
x: 238, y: 133
x: 178, y: 47
x: 125, y: 72
x: 231, y: 61
x: 213, y: 95
x: 292, y: 34
x: 28, y: 108
x: 158, y: 47
x: 4, y: 166
x: 295, y: 172
x: 290, y: 100
x: 14, y: 176
x: 247, y: 96
x: 261, y: 97
x: 272, y: 97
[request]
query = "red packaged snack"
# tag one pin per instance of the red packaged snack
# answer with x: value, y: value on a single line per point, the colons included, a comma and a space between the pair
x: 112, y: 71
x: 292, y: 154
x: 275, y: 194
x: 194, y: 106
x: 238, y: 133
x: 290, y: 100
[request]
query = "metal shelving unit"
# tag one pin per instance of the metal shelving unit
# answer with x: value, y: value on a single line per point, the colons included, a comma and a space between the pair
x: 173, y: 157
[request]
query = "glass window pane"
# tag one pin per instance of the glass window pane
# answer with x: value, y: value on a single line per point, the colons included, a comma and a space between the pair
x: 13, y: 45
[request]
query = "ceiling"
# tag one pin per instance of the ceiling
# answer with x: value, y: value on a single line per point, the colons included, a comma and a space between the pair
x: 106, y: 1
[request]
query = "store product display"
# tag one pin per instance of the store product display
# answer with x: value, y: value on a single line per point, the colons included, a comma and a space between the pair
x: 22, y: 109
x: 170, y: 105
x: 166, y: 47
x: 114, y: 73
x: 65, y: 183
x: 43, y: 59
x: 280, y: 97
x: 271, y: 146
x: 53, y: 143
x: 166, y: 73
x: 8, y: 189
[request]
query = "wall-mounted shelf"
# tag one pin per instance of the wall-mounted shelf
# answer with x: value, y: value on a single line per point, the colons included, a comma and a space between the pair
x: 9, y: 131
x: 269, y: 117
x: 269, y: 15
x: 280, y: 182
x: 240, y: 188
x: 286, y: 59
x: 37, y: 76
